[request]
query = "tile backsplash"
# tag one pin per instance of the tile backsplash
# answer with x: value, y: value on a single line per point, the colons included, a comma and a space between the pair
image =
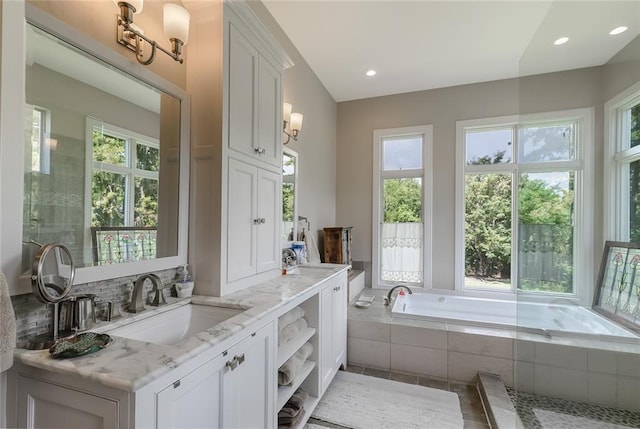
x: 35, y: 318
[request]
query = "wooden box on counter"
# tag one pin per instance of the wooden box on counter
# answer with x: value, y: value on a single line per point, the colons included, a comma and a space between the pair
x: 337, y: 245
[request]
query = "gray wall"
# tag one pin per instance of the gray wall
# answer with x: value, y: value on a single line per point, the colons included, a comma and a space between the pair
x: 316, y: 145
x: 442, y: 108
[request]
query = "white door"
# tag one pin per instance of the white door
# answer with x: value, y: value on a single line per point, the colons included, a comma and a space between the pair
x: 193, y: 401
x: 247, y: 400
x: 326, y: 342
x: 339, y: 317
x: 242, y: 220
x: 270, y: 215
x: 42, y: 404
x: 269, y: 116
x: 242, y: 76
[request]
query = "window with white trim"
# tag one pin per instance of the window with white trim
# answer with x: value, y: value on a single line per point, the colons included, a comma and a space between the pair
x: 524, y: 203
x: 622, y: 168
x: 402, y: 200
x: 123, y: 179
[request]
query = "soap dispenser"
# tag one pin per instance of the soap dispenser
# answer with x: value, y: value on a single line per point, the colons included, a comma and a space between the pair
x: 184, y: 286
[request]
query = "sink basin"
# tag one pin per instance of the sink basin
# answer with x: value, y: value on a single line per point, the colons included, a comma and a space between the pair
x: 171, y: 327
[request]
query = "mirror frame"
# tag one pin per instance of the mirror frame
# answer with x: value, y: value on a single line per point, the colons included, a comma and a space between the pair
x: 296, y: 196
x: 15, y: 16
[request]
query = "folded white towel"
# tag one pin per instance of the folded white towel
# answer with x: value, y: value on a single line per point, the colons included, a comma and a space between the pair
x: 288, y: 371
x: 7, y: 326
x: 289, y: 317
x: 292, y: 330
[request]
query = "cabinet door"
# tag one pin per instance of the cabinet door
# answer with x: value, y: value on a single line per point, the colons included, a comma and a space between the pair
x: 333, y: 330
x: 42, y: 404
x: 269, y: 108
x: 270, y: 215
x: 242, y: 75
x: 193, y: 401
x: 241, y: 220
x: 326, y: 342
x: 339, y: 328
x: 247, y: 395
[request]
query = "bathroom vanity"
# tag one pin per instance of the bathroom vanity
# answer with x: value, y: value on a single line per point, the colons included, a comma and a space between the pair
x: 224, y: 376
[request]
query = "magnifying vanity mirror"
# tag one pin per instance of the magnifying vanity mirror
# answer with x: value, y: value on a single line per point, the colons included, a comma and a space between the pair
x: 105, y: 163
x: 289, y: 195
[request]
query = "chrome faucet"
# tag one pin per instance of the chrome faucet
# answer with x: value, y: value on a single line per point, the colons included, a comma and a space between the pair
x: 288, y: 257
x: 387, y: 299
x: 137, y: 297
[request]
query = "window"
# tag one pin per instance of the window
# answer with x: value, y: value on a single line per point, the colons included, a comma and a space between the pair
x: 41, y: 143
x: 124, y: 177
x: 524, y: 203
x: 402, y: 206
x: 622, y: 166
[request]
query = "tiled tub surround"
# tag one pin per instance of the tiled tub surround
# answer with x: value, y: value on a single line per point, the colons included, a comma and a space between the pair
x: 128, y: 365
x: 598, y: 372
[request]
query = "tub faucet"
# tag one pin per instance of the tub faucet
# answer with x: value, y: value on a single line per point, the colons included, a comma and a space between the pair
x: 137, y: 297
x: 387, y: 299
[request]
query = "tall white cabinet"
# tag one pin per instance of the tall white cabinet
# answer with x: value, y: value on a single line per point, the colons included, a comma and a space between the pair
x: 235, y: 75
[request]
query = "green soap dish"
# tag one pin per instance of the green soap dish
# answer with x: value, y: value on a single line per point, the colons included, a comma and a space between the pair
x: 79, y: 345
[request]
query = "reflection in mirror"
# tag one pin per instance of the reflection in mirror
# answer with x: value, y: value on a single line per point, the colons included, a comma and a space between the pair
x: 289, y: 197
x: 101, y: 158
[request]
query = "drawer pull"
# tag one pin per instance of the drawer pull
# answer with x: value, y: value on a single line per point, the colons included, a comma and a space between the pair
x: 240, y: 359
x: 233, y: 363
x: 260, y: 150
x: 176, y: 384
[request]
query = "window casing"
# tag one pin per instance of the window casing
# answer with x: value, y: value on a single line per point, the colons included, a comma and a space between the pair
x: 524, y: 204
x: 402, y: 206
x: 129, y: 170
x: 622, y: 166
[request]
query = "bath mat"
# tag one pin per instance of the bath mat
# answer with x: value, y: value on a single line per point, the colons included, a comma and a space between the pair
x: 362, y: 402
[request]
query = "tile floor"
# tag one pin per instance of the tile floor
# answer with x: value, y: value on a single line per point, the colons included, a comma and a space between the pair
x: 570, y: 414
x: 472, y: 411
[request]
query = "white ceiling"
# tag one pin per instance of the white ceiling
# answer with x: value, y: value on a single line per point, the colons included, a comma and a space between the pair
x: 422, y: 44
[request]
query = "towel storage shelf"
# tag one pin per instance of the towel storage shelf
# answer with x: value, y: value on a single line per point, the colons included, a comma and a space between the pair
x: 285, y: 392
x: 309, y: 406
x: 286, y: 350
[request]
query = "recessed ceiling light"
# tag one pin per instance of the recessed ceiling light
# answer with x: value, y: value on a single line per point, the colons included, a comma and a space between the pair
x: 618, y: 30
x: 561, y: 41
x: 371, y: 73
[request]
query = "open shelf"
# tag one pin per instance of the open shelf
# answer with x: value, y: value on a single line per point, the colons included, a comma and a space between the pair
x: 309, y: 406
x: 285, y: 392
x: 286, y: 350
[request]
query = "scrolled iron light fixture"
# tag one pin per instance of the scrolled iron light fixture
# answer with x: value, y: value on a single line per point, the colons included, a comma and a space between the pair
x: 176, y: 30
x: 293, y: 120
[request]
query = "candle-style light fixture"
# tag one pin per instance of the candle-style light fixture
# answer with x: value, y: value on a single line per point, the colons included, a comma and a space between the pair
x: 293, y: 120
x: 176, y: 30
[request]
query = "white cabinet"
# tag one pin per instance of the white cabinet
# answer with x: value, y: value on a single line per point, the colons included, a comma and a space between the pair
x: 254, y: 99
x: 233, y: 390
x: 253, y: 220
x: 333, y: 329
x: 234, y: 76
x: 42, y: 404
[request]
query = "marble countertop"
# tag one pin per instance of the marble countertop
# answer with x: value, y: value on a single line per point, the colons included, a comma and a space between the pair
x: 129, y: 365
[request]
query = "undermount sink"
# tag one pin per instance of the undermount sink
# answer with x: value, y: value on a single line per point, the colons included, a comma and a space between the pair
x: 171, y: 327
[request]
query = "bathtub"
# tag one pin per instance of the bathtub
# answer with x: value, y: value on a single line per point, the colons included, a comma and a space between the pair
x: 555, y: 319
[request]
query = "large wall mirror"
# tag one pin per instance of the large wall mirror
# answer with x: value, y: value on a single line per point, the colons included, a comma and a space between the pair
x: 105, y: 157
x: 289, y: 195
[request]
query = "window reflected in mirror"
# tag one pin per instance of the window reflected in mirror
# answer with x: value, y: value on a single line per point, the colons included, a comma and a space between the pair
x: 102, y: 152
x: 289, y: 185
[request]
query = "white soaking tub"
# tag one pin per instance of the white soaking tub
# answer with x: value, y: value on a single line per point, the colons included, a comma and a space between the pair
x: 555, y: 319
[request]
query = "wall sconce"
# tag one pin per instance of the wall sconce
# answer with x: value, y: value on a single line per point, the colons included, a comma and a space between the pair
x: 176, y: 30
x: 294, y: 120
